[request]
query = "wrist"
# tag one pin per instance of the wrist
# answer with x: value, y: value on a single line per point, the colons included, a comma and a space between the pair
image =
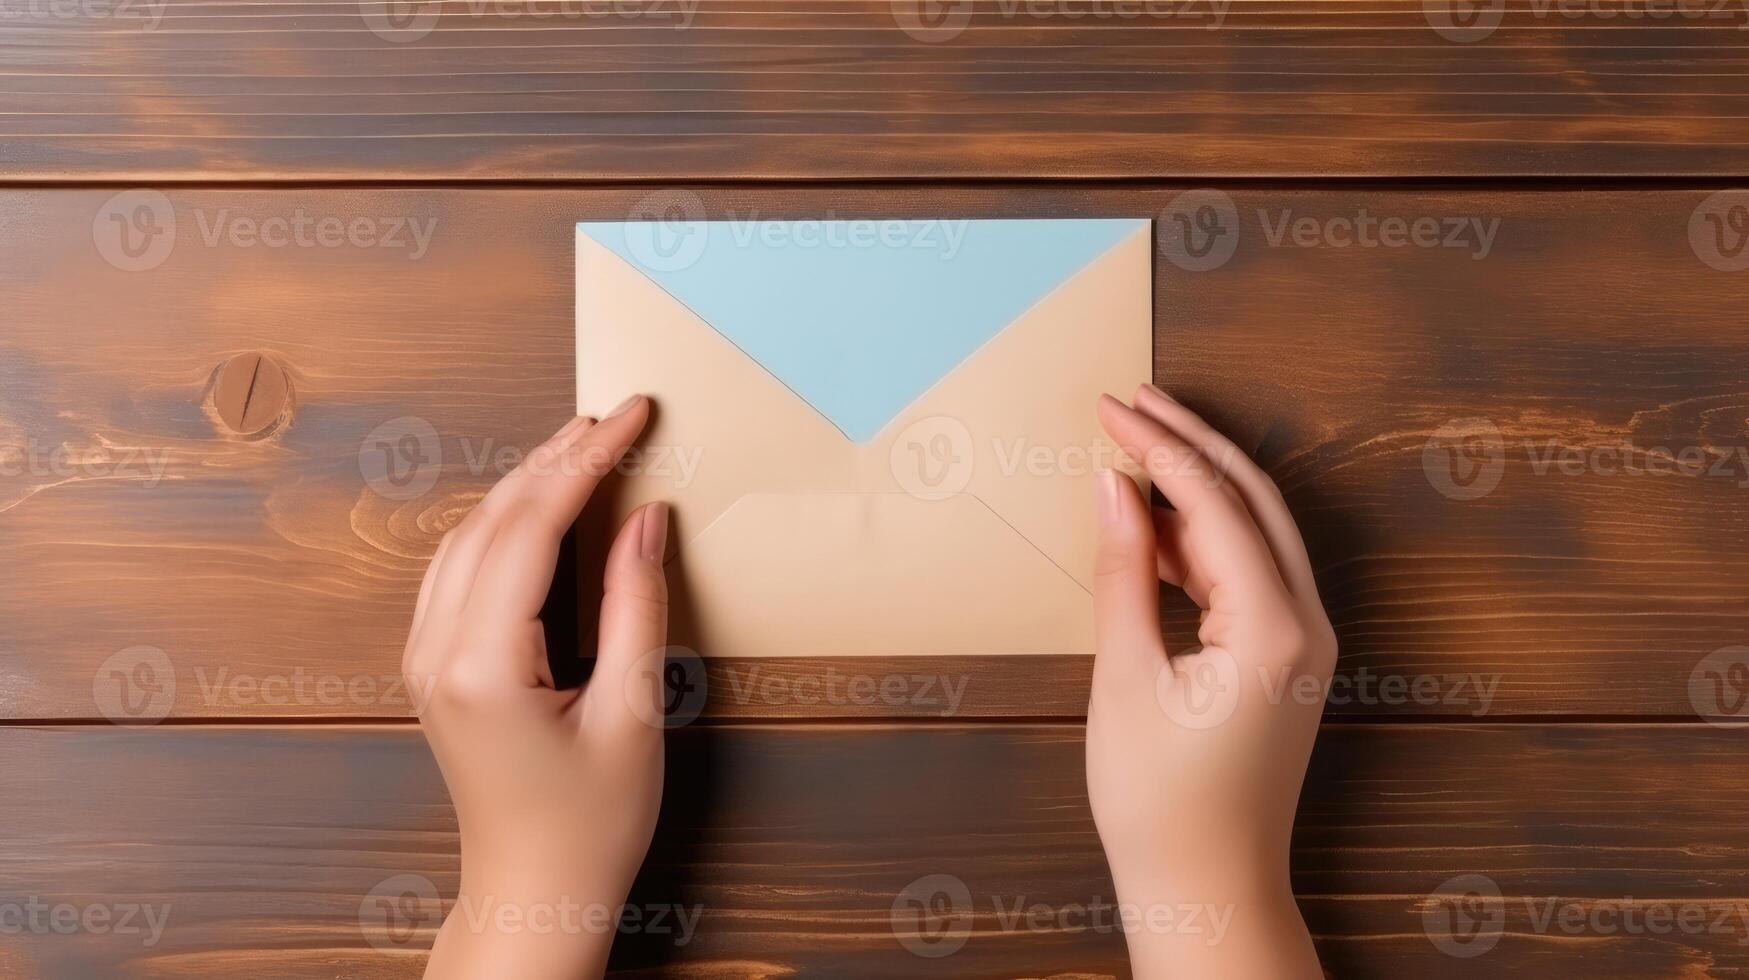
x: 1214, y: 925
x: 1195, y: 863
x: 534, y: 873
x: 525, y: 929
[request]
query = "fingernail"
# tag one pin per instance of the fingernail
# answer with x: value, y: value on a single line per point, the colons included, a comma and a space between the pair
x: 654, y: 540
x: 623, y: 407
x: 1156, y: 390
x: 1107, y: 496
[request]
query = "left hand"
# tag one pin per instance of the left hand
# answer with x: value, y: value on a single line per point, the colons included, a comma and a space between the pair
x: 556, y: 791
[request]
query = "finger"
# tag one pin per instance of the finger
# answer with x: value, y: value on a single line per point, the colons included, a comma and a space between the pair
x: 555, y: 480
x: 539, y: 502
x: 467, y: 544
x: 1173, y: 557
x: 634, y: 618
x: 1220, y: 536
x: 464, y: 549
x: 1126, y: 584
x: 1262, y: 497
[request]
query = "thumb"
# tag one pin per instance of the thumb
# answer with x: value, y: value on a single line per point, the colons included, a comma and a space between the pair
x: 634, y: 622
x: 1126, y: 585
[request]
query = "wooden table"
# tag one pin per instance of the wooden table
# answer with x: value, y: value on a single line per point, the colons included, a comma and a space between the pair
x: 1520, y: 459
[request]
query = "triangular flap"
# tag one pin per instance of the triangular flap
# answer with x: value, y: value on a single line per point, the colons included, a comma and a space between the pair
x: 860, y: 317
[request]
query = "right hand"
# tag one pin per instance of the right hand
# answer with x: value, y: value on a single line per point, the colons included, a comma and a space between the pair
x: 1195, y: 759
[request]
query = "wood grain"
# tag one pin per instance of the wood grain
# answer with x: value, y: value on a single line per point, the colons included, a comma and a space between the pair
x: 265, y: 842
x: 149, y: 90
x: 1591, y: 330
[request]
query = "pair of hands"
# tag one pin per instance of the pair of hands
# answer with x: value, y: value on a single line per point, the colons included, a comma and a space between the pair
x: 1194, y: 761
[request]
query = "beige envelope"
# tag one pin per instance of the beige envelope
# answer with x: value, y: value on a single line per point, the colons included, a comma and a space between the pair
x: 965, y: 526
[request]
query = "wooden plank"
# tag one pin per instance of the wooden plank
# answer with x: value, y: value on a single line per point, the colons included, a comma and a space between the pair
x: 258, y: 847
x: 1590, y: 334
x: 783, y: 89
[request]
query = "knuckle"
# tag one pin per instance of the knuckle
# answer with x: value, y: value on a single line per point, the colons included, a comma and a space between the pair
x: 647, y: 597
x: 1111, y: 562
x: 1309, y: 647
x: 644, y: 581
x: 1122, y: 548
x: 466, y: 686
x: 1223, y: 486
x: 596, y: 461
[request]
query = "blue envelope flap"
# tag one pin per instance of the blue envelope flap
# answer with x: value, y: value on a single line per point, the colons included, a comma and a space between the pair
x: 860, y: 318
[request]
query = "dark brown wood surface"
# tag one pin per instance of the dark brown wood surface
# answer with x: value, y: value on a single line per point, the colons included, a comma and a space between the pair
x: 1591, y: 336
x: 264, y: 843
x: 147, y: 90
x: 1520, y: 460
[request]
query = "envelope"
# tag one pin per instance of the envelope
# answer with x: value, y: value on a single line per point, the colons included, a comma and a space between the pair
x: 877, y: 438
